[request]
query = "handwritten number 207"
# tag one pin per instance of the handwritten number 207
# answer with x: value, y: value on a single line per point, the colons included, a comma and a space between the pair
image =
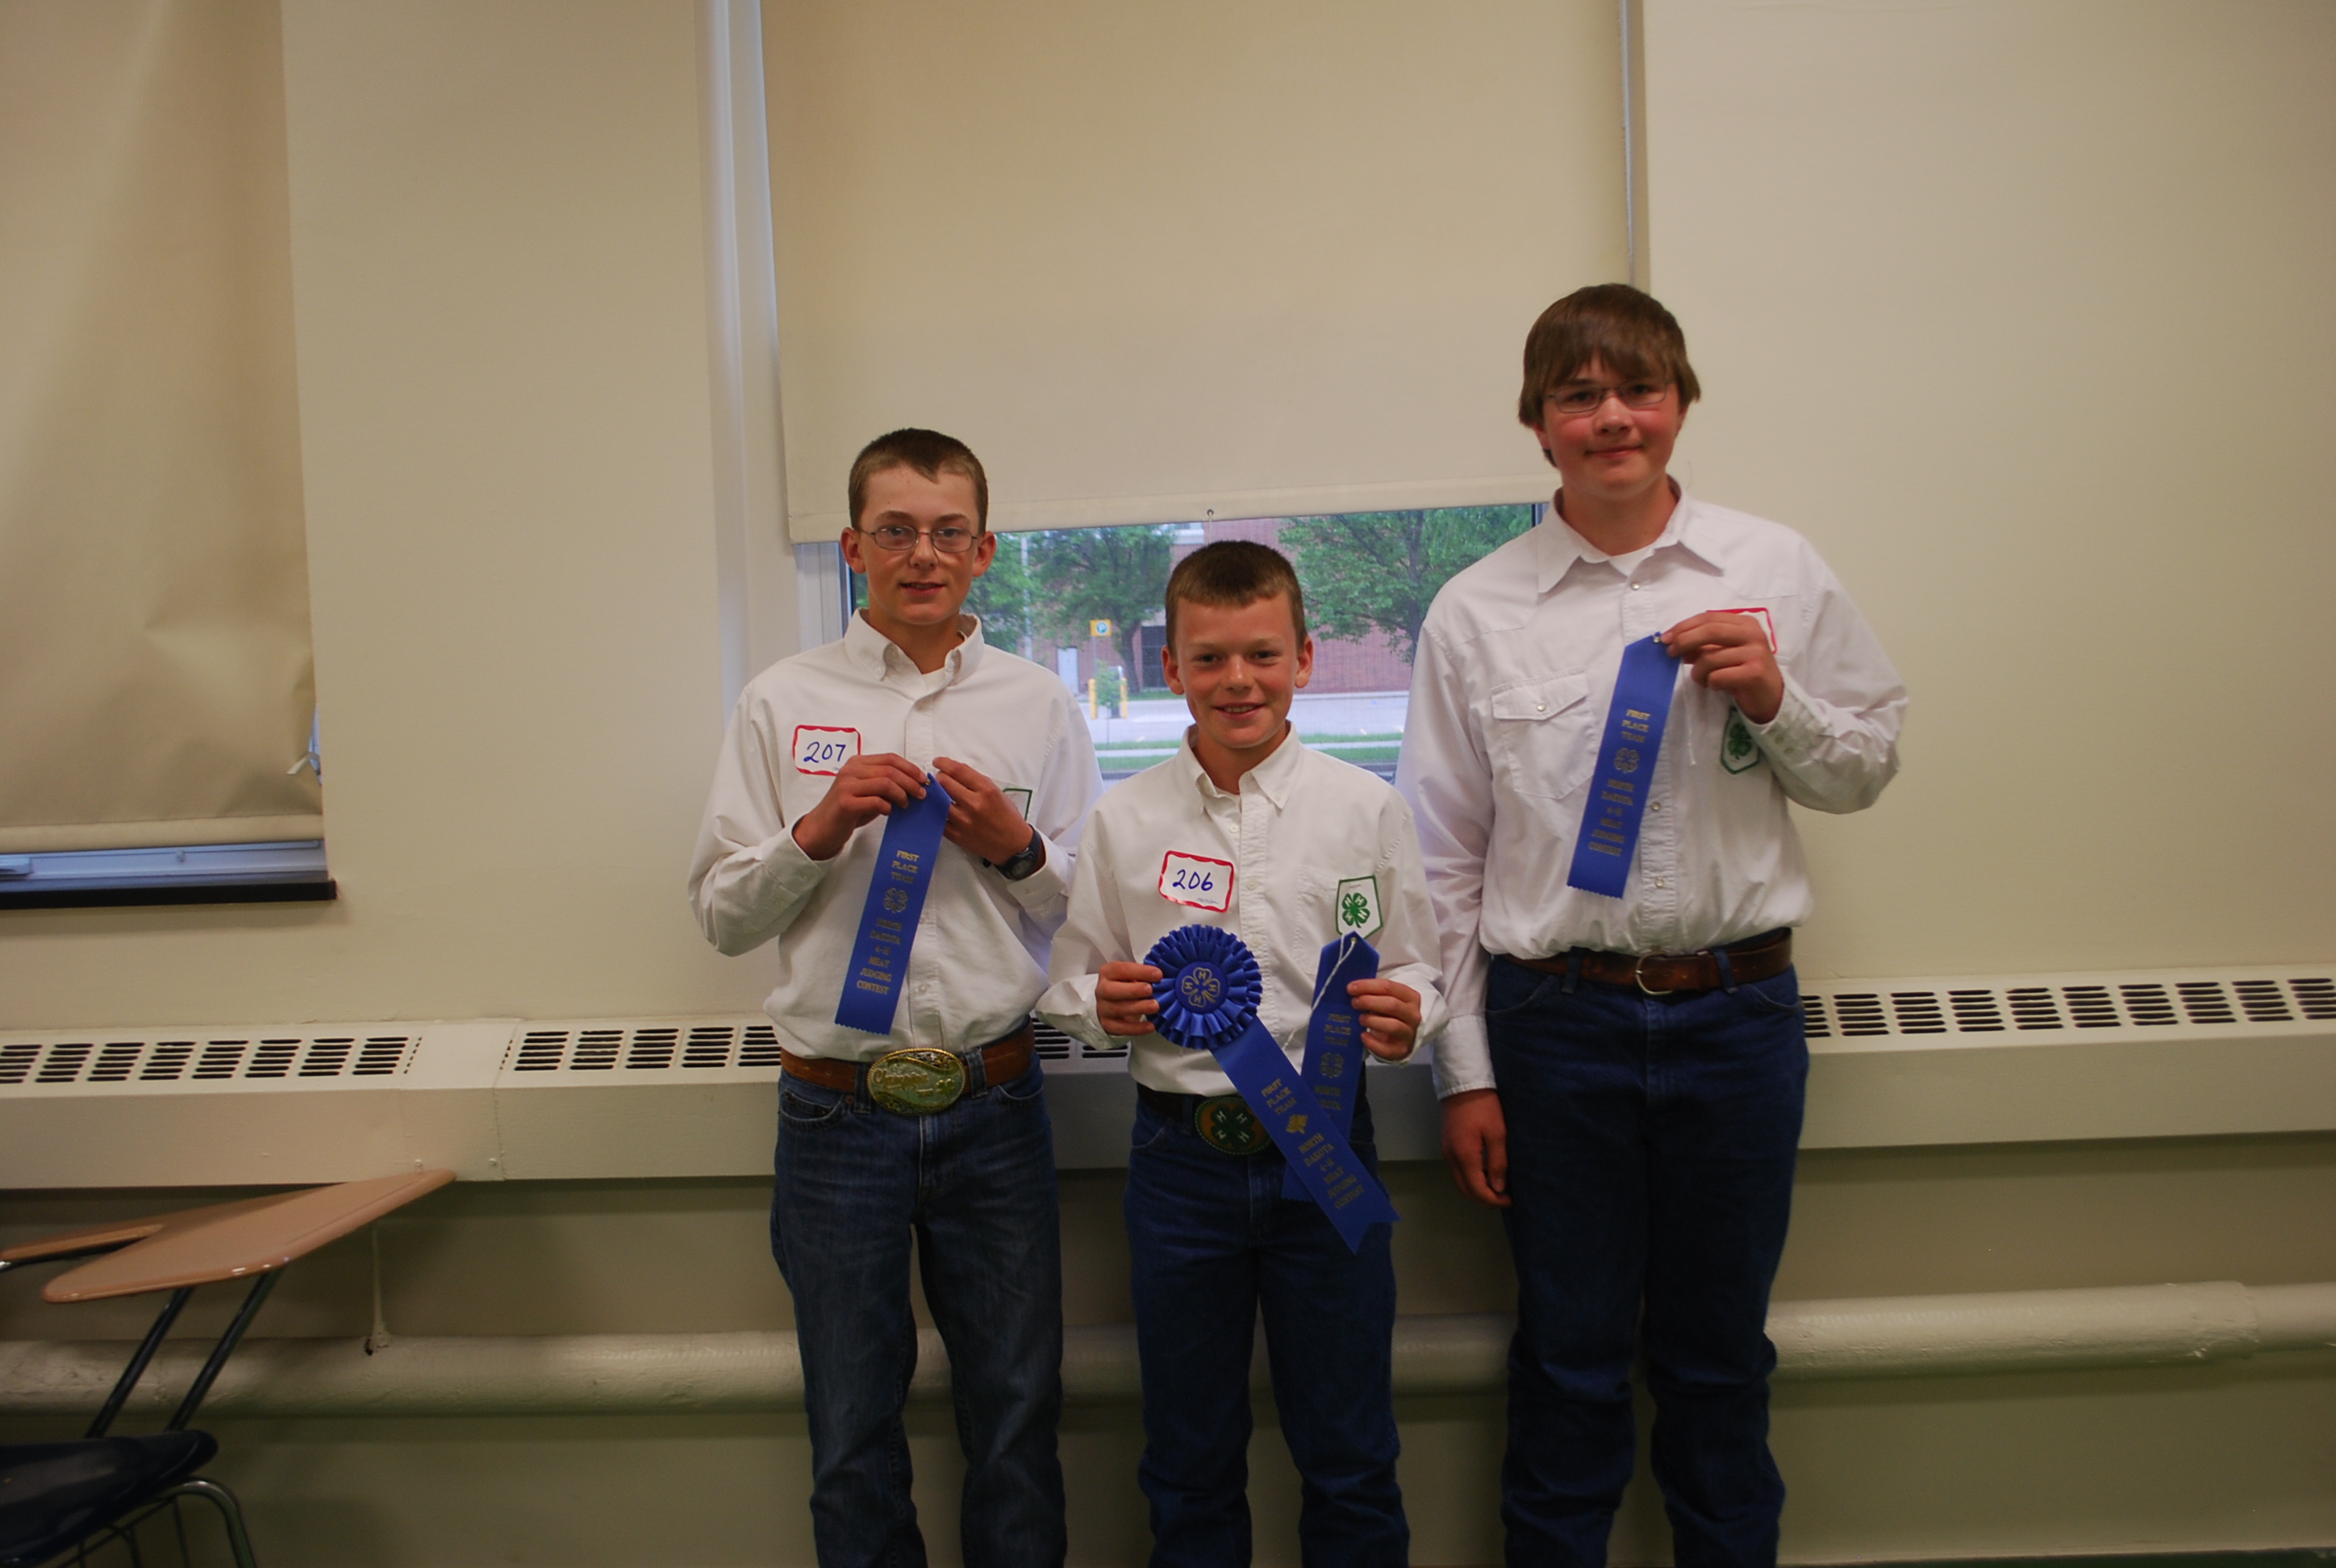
x: 1194, y: 881
x: 824, y: 751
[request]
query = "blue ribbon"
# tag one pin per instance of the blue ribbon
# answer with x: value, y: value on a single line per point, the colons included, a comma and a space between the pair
x: 1609, y: 838
x: 1333, y: 1066
x: 1207, y: 990
x: 888, y: 920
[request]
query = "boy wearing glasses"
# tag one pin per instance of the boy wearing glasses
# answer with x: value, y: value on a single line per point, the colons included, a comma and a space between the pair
x: 937, y: 1130
x: 1616, y: 877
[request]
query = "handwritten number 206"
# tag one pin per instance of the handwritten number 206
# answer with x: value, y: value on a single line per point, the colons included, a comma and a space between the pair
x: 1195, y: 881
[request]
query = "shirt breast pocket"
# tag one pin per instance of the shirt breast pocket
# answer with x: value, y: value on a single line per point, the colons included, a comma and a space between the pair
x: 1540, y: 736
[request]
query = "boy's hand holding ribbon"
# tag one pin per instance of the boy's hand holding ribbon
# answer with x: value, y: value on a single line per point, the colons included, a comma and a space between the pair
x: 1728, y: 652
x: 1390, y: 1009
x: 981, y: 821
x: 1205, y: 997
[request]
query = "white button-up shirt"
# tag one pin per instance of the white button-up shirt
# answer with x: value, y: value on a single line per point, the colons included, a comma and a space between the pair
x: 1510, y: 690
x: 980, y: 953
x: 1307, y: 838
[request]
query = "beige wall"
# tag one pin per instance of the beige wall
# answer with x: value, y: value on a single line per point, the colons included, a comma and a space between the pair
x: 1938, y: 267
x: 499, y: 273
x: 2021, y: 312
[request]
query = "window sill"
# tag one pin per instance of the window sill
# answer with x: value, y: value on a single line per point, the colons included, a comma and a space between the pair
x: 293, y: 872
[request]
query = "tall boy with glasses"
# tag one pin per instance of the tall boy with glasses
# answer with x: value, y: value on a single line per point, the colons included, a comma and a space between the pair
x: 936, y: 1131
x: 1616, y: 877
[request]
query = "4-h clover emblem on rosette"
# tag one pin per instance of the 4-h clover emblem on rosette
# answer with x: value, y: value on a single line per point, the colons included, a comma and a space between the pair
x: 1209, y: 987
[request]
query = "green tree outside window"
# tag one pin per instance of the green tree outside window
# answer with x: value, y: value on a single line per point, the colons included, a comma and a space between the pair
x: 1378, y: 571
x: 1079, y: 575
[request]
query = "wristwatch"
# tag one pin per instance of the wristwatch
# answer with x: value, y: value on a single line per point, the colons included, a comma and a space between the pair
x: 1022, y: 861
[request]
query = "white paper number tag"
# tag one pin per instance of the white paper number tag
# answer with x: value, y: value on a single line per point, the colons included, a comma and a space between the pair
x: 823, y: 749
x: 1197, y: 880
x: 1759, y: 613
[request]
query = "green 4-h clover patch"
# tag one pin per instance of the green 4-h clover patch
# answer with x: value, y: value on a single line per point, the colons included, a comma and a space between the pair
x: 1358, y: 906
x: 1738, y: 752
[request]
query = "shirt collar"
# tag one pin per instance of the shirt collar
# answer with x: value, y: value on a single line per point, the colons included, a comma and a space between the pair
x: 880, y: 656
x: 1273, y: 777
x: 1557, y: 548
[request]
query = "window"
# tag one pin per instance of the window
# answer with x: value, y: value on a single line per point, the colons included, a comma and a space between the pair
x: 1369, y: 577
x: 153, y: 576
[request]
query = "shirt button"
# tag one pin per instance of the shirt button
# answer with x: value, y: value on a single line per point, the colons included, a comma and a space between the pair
x: 1654, y: 805
x: 1661, y: 883
x: 1637, y: 586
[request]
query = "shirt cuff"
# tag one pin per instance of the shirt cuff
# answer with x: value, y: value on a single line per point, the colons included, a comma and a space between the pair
x: 1069, y: 1004
x: 793, y: 870
x: 1046, y: 888
x: 1463, y: 1058
x: 1796, y: 729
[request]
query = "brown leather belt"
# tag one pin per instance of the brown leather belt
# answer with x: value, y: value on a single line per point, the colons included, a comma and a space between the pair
x: 1759, y: 957
x: 1002, y: 1062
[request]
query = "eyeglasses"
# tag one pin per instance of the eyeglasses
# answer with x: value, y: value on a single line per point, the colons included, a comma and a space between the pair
x: 1576, y: 397
x: 898, y: 538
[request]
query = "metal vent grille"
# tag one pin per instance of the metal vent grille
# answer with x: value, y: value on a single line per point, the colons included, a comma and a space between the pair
x: 1054, y: 1046
x: 137, y: 1062
x: 621, y: 1050
x: 2071, y: 1006
x: 624, y: 1048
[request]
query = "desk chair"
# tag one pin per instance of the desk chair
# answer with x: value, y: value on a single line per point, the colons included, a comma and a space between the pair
x: 54, y: 1496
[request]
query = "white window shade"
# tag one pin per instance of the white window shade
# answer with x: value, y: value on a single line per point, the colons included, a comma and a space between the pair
x: 1157, y: 262
x: 154, y: 585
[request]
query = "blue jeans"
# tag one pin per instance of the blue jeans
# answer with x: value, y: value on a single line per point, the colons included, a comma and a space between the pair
x: 974, y: 1186
x: 1651, y: 1141
x: 1213, y: 1241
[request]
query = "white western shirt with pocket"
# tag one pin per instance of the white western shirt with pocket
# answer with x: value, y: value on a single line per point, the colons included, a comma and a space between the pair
x: 1309, y: 849
x: 1509, y: 696
x: 980, y: 953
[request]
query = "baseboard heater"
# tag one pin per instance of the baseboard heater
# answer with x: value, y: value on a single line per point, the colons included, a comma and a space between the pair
x: 1894, y: 1062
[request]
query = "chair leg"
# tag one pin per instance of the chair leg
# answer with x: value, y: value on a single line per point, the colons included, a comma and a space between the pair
x: 222, y: 1350
x: 138, y: 1363
x: 238, y: 1540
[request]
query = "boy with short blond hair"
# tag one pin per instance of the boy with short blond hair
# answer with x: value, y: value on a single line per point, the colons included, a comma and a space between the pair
x: 1247, y: 830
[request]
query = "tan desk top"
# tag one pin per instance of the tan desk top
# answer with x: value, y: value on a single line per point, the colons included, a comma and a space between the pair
x: 223, y: 1242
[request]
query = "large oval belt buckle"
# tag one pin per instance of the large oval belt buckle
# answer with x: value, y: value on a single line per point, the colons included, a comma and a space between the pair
x: 918, y: 1081
x: 1228, y: 1126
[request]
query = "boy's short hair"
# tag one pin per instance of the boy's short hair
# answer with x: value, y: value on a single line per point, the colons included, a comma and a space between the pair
x: 1623, y: 328
x: 930, y: 454
x: 1231, y: 573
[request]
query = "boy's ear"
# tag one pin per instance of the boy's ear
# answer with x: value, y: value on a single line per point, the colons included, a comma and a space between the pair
x: 1168, y: 668
x: 985, y: 551
x: 1305, y: 660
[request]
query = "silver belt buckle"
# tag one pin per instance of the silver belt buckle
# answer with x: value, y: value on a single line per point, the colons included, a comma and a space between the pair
x: 1639, y: 975
x: 917, y: 1081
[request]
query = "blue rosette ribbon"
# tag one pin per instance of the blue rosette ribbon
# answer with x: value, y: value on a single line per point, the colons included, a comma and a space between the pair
x: 1209, y: 990
x: 1209, y: 987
